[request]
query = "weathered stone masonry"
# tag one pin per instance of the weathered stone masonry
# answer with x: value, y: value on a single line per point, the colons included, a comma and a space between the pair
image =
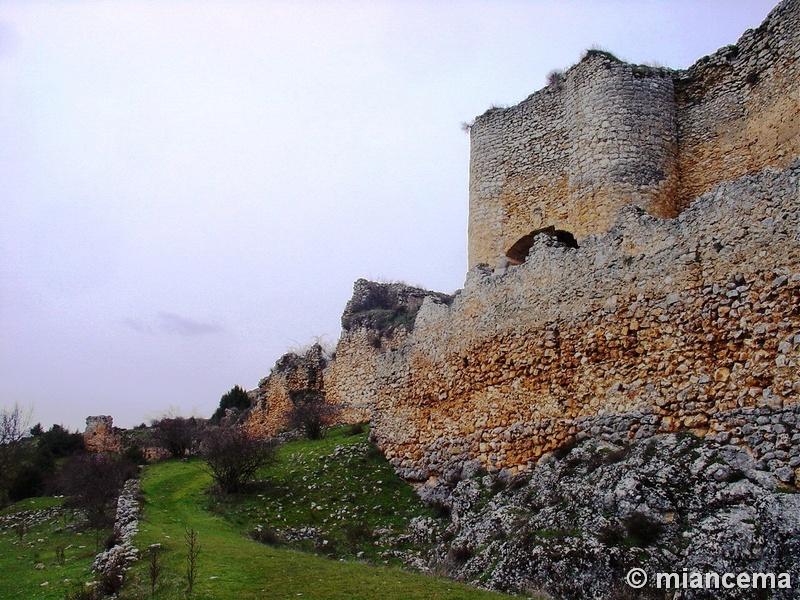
x: 664, y: 318
x: 606, y: 134
x: 658, y: 325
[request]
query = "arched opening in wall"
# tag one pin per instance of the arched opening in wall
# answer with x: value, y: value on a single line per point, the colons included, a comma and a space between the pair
x: 519, y: 251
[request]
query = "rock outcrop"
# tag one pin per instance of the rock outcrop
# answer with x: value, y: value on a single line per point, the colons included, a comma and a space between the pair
x: 584, y: 516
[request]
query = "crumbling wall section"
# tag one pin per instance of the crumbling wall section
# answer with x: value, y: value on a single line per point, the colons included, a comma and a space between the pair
x: 606, y: 134
x: 690, y: 323
x: 272, y: 400
x: 100, y: 436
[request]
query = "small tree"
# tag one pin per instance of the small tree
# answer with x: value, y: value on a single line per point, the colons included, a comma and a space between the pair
x: 236, y: 398
x: 14, y: 424
x: 310, y: 413
x: 175, y: 434
x: 193, y: 551
x: 233, y: 457
x: 155, y: 567
x: 93, y: 482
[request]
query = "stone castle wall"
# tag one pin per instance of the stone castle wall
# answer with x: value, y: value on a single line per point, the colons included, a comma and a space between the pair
x: 658, y: 325
x: 606, y: 134
x: 272, y: 399
x: 664, y: 318
x: 100, y: 436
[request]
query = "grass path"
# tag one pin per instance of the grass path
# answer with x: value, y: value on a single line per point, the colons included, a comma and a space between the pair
x: 231, y: 565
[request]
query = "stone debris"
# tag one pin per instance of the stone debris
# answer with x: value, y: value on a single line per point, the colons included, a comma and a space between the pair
x: 580, y: 519
x: 115, y: 561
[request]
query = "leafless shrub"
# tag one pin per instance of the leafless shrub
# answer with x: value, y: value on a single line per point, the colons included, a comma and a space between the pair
x: 176, y: 434
x: 93, y: 483
x: 193, y: 548
x: 14, y: 423
x: 310, y: 413
x: 233, y: 457
x: 154, y: 567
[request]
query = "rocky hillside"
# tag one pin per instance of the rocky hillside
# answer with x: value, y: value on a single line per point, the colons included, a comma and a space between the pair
x: 584, y: 516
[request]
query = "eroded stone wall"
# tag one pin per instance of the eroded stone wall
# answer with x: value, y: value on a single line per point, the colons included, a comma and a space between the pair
x: 606, y: 134
x: 378, y: 318
x: 272, y: 399
x: 100, y: 436
x: 350, y: 380
x: 658, y: 325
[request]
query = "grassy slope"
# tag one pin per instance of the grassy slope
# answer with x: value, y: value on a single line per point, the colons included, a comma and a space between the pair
x: 342, y: 487
x: 233, y: 566
x: 19, y: 577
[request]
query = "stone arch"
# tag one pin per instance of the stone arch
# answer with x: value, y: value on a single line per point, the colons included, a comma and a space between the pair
x: 518, y: 252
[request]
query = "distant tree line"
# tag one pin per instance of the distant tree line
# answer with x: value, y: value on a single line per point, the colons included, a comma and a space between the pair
x: 35, y: 461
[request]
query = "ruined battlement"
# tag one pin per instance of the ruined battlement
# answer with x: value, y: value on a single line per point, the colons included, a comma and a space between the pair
x: 641, y: 227
x: 606, y: 134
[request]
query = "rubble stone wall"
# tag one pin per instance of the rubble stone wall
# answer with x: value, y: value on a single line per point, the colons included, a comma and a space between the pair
x: 272, y: 398
x: 658, y: 325
x: 100, y: 436
x: 606, y: 134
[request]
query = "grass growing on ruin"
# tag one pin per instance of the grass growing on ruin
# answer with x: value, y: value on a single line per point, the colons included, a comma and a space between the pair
x: 332, y: 493
x: 51, y: 539
x: 232, y: 565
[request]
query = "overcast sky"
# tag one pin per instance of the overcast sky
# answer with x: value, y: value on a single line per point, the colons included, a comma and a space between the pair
x: 189, y: 189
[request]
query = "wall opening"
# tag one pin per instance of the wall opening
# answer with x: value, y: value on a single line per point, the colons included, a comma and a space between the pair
x: 519, y: 251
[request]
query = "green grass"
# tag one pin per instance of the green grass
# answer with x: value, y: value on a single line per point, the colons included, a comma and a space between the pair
x: 342, y: 487
x: 231, y: 565
x: 52, y: 527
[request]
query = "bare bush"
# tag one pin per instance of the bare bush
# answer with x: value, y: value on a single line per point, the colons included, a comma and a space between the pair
x: 93, y: 483
x: 310, y: 413
x: 176, y: 434
x: 14, y: 423
x: 193, y: 548
x: 233, y: 457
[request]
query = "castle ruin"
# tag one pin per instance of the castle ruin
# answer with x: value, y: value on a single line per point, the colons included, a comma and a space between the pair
x: 664, y: 296
x: 606, y: 134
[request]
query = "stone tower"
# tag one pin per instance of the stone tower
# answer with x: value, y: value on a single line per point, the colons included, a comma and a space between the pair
x: 605, y: 134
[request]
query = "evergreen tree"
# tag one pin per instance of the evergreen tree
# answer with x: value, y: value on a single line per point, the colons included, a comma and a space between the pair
x: 236, y: 398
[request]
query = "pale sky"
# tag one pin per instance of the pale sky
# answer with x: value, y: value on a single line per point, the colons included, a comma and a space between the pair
x: 190, y: 189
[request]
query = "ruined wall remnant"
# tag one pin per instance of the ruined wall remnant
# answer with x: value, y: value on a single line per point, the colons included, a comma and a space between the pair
x: 606, y: 134
x: 378, y: 318
x: 100, y: 435
x: 272, y: 398
x: 658, y: 325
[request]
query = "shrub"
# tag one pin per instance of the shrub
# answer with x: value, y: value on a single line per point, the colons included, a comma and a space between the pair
x: 154, y: 567
x: 13, y: 429
x: 233, y: 457
x: 642, y: 529
x: 93, y: 483
x: 177, y: 435
x: 266, y: 535
x: 310, y: 413
x: 356, y: 429
x: 81, y: 592
x: 356, y: 534
x: 193, y: 548
x: 440, y: 509
x: 458, y: 555
x: 236, y: 398
x: 611, y: 534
